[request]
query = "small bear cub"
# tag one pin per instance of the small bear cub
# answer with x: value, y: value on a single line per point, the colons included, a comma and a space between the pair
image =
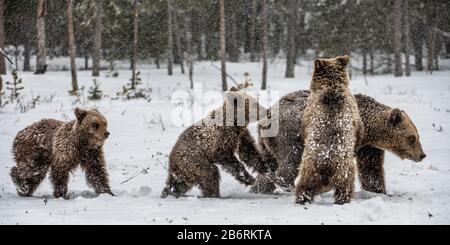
x: 220, y: 139
x: 60, y: 147
x: 332, y: 128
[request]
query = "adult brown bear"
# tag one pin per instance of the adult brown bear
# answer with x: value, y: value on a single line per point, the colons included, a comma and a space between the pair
x: 386, y: 128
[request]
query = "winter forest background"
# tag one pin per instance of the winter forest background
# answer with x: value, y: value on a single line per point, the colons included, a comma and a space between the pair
x: 129, y: 58
x: 384, y: 34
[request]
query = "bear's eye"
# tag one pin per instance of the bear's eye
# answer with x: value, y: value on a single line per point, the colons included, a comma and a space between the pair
x: 95, y: 126
x: 412, y: 140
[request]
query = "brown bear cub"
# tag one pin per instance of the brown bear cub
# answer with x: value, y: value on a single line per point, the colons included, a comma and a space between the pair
x: 61, y: 147
x: 219, y: 139
x: 332, y: 127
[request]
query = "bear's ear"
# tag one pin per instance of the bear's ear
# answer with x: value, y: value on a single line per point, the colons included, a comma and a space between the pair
x: 234, y: 89
x: 212, y: 115
x: 318, y: 65
x: 395, y: 117
x: 343, y: 60
x: 233, y: 94
x: 80, y: 114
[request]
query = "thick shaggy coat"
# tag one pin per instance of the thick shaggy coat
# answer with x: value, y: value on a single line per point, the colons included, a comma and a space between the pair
x: 385, y: 128
x: 60, y: 147
x: 332, y: 125
x: 213, y: 141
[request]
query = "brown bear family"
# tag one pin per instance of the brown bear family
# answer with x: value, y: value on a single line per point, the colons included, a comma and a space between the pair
x: 385, y: 128
x: 222, y: 139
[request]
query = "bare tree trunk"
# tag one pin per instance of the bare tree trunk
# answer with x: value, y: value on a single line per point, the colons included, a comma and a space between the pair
x: 290, y: 46
x: 265, y: 41
x: 1, y: 89
x: 16, y: 55
x: 418, y: 43
x: 131, y: 59
x: 364, y: 68
x: 2, y: 36
x: 372, y: 64
x: 254, y: 7
x: 86, y: 60
x: 418, y: 54
x: 233, y: 48
x: 41, y: 66
x: 430, y: 49
x: 190, y: 51
x: 27, y: 57
x: 157, y: 62
x: 97, y: 54
x: 398, y: 68
x: 300, y: 30
x: 135, y: 42
x: 438, y: 42
x: 72, y: 48
x: 407, y: 39
x: 177, y: 37
x: 436, y: 62
x: 170, y: 38
x: 222, y: 52
x: 388, y: 63
x: 201, y: 47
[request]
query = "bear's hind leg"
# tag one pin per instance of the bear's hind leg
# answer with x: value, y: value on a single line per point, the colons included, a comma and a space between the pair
x: 175, y: 186
x: 306, y: 189
x: 27, y: 178
x: 180, y: 188
x: 344, y: 185
x: 209, y: 181
x: 309, y: 184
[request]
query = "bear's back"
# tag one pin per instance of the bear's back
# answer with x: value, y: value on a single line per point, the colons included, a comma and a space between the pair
x: 36, y: 139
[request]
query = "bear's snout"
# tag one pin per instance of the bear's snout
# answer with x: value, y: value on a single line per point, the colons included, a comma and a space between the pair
x: 423, y: 156
x: 107, y: 134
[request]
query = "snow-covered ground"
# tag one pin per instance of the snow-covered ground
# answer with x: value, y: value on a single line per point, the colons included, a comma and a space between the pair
x: 418, y: 193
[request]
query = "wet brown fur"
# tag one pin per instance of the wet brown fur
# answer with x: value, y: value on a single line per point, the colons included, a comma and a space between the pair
x: 60, y: 147
x: 332, y: 127
x: 193, y: 159
x: 386, y: 128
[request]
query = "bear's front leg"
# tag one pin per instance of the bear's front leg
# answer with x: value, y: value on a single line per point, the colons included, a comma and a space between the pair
x: 97, y: 176
x: 59, y: 178
x: 370, y: 169
x: 234, y: 167
x: 309, y: 182
x: 287, y: 171
x: 249, y: 154
x: 264, y: 184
